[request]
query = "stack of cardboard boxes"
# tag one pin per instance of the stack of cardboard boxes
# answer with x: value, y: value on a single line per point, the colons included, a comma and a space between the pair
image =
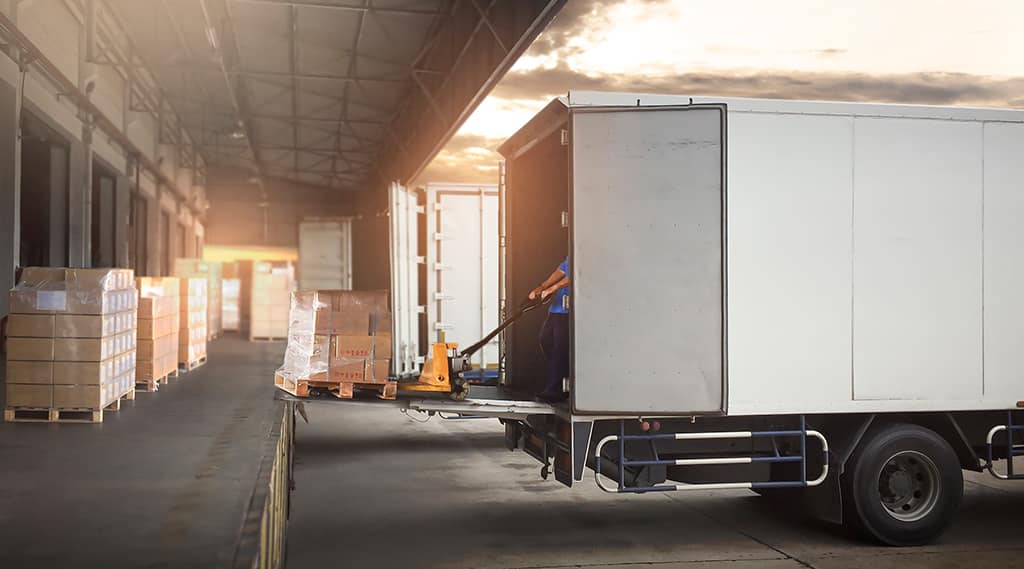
x: 272, y: 285
x: 230, y: 317
x: 192, y: 333
x: 158, y: 331
x: 243, y: 272
x: 193, y: 268
x: 71, y: 342
x: 338, y: 341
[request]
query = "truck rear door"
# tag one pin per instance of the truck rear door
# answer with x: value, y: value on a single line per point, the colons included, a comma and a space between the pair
x: 647, y: 210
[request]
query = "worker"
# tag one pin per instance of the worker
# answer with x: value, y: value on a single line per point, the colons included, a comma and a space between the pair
x: 554, y: 335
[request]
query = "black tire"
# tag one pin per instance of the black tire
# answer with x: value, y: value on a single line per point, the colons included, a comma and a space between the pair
x: 902, y: 486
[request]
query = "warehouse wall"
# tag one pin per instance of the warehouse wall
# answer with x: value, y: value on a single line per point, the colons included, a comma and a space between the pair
x: 57, y: 30
x: 243, y: 213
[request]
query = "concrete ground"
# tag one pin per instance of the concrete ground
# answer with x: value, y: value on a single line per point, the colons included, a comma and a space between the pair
x: 376, y: 489
x: 163, y: 482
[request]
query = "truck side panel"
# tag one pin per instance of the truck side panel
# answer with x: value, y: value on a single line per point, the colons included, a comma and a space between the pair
x: 917, y: 329
x: 1004, y: 261
x: 790, y: 259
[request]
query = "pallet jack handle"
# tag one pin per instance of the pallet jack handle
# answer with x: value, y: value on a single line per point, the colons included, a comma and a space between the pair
x: 524, y: 307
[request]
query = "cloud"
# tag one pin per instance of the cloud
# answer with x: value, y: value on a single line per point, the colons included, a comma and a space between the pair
x: 467, y: 158
x: 916, y: 88
x: 471, y: 157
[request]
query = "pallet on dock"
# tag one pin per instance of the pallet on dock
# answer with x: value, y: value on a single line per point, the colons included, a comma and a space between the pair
x: 387, y: 390
x: 154, y: 383
x: 185, y: 367
x: 341, y: 390
x: 63, y: 414
x: 268, y: 338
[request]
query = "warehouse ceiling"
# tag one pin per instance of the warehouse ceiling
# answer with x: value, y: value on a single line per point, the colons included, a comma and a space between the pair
x: 335, y: 93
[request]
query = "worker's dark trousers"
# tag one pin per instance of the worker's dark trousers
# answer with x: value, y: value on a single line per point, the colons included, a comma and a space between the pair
x: 554, y: 341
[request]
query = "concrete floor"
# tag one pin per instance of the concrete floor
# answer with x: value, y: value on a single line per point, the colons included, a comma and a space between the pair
x: 161, y: 483
x: 375, y: 489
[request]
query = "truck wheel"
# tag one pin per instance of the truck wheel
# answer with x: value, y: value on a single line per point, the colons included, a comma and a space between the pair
x: 902, y: 486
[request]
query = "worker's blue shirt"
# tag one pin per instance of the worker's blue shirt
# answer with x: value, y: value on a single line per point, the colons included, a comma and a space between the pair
x: 560, y: 305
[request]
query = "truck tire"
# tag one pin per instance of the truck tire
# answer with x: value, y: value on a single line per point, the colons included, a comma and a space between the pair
x: 902, y: 486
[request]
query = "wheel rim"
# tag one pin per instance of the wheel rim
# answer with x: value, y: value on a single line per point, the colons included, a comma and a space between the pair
x: 909, y: 486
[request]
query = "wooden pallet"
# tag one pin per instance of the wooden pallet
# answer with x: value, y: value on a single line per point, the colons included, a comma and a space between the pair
x: 306, y: 388
x: 63, y: 415
x: 154, y: 384
x: 387, y: 390
x: 268, y: 338
x: 185, y: 367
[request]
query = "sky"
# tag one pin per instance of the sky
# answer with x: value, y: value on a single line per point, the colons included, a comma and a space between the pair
x: 940, y: 52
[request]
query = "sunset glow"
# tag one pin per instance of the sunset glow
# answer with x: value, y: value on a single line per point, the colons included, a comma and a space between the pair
x: 916, y: 51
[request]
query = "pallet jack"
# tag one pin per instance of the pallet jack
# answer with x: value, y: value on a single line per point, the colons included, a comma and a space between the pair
x: 443, y: 369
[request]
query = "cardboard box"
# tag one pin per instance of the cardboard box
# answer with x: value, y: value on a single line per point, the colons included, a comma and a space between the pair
x: 194, y: 287
x: 82, y: 396
x: 93, y: 373
x: 83, y: 373
x: 350, y: 372
x: 360, y: 371
x: 157, y: 307
x: 382, y: 346
x: 378, y: 371
x: 33, y: 349
x: 157, y: 328
x: 34, y: 301
x: 21, y: 395
x: 95, y: 280
x: 153, y: 349
x: 93, y: 325
x: 157, y: 287
x: 40, y: 373
x: 146, y: 370
x: 30, y: 325
x: 92, y: 349
x: 351, y: 347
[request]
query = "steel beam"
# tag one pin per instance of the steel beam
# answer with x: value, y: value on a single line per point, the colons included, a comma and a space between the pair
x: 365, y: 9
x: 293, y: 60
x: 417, y: 136
x: 199, y: 68
x: 238, y: 99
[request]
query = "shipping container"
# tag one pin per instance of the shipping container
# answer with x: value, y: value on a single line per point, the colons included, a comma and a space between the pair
x: 325, y: 254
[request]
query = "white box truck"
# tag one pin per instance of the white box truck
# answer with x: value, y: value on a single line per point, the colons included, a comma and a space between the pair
x: 325, y: 253
x: 822, y: 300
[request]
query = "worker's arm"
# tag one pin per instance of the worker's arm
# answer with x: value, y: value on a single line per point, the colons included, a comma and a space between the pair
x: 557, y: 280
x: 563, y: 282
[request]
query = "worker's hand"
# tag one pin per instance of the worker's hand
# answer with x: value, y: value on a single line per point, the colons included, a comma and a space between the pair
x: 537, y: 292
x: 547, y: 292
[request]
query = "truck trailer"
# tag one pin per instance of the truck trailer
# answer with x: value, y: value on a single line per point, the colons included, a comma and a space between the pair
x: 817, y: 301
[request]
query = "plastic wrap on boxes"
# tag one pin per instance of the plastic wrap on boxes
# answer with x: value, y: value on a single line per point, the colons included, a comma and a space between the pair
x: 49, y: 290
x: 307, y: 353
x: 337, y: 336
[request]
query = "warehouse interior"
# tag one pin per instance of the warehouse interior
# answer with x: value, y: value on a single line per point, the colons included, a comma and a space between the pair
x: 137, y: 134
x: 173, y: 125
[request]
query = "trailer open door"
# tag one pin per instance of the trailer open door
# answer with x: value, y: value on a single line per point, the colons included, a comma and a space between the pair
x: 403, y: 215
x: 648, y: 299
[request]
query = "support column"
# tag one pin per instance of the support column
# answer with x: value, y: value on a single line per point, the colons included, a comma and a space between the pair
x: 58, y: 205
x: 80, y: 202
x: 156, y: 233
x: 10, y: 190
x: 122, y: 205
